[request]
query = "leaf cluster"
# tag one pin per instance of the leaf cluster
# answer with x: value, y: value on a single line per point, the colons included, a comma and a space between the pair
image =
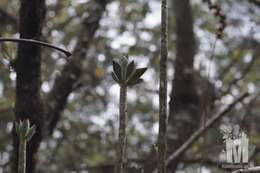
x: 24, y: 131
x: 125, y: 72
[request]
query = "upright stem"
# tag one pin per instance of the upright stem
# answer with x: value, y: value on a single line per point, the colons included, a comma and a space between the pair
x: 163, y: 91
x: 122, y: 160
x: 22, y: 157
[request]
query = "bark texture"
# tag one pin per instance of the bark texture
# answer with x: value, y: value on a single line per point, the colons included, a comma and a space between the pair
x: 28, y: 70
x: 122, y: 157
x: 163, y: 91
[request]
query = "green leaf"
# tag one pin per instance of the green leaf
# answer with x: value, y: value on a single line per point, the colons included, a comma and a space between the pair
x: 117, y: 70
x: 31, y: 132
x: 115, y: 77
x: 123, y: 61
x: 17, y: 128
x: 123, y: 64
x: 135, y: 82
x: 27, y: 124
x: 25, y: 127
x: 22, y: 131
x: 130, y: 69
x: 138, y: 73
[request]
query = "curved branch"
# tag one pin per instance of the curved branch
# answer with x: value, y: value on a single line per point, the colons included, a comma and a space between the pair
x: 35, y: 42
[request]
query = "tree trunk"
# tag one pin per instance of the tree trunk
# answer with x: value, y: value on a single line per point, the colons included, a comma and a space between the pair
x: 28, y: 70
x: 184, y: 103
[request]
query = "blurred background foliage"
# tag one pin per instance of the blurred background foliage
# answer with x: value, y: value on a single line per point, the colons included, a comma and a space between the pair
x: 85, y: 136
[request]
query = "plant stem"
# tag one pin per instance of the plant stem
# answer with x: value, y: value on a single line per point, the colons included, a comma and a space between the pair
x: 122, y: 160
x: 22, y: 156
x: 163, y: 91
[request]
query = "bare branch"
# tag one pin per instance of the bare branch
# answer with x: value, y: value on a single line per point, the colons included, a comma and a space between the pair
x: 203, y: 129
x: 35, y: 42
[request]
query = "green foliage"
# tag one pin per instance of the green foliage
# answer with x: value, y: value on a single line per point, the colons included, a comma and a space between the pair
x: 126, y: 73
x: 24, y: 131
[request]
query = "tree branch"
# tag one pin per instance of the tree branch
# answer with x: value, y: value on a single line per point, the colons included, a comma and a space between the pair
x: 35, y: 42
x: 203, y: 129
x: 64, y: 84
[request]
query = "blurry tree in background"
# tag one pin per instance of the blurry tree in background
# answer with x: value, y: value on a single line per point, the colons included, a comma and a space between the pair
x: 73, y: 101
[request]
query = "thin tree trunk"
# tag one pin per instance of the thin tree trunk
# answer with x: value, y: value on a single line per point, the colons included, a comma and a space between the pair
x: 122, y: 160
x: 163, y: 91
x: 28, y: 70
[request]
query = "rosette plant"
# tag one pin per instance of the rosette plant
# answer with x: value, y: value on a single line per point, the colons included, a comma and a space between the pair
x: 126, y: 74
x: 24, y: 132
